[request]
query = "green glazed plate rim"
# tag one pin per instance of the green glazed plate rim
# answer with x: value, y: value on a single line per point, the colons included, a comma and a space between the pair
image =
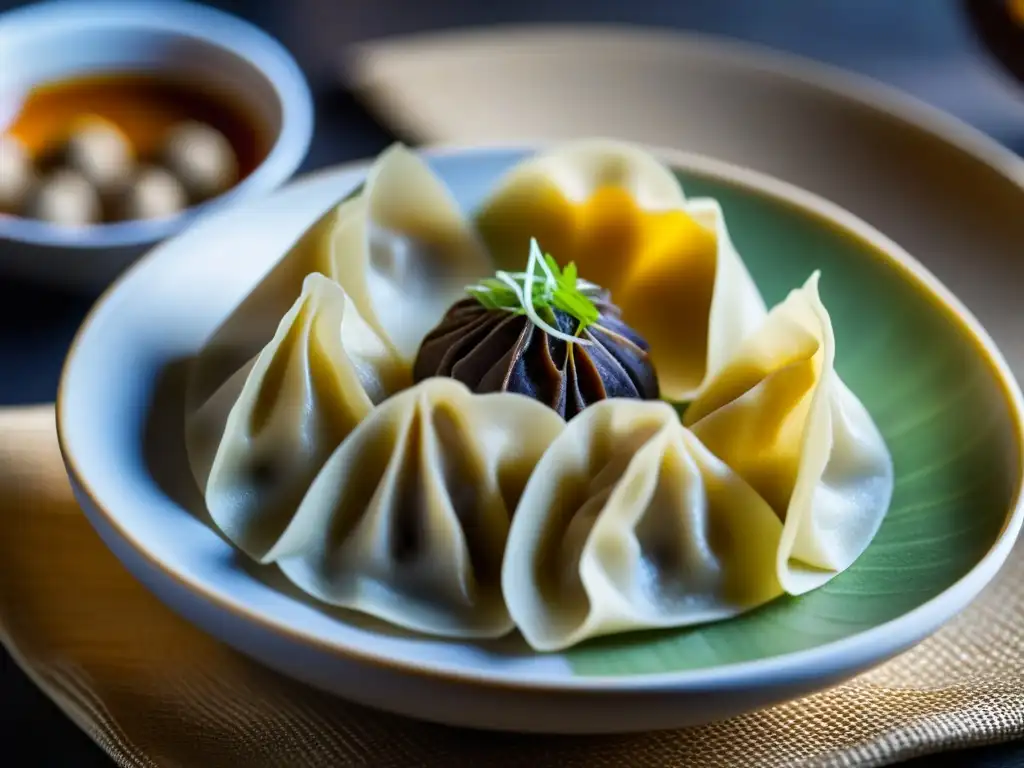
x: 834, y: 659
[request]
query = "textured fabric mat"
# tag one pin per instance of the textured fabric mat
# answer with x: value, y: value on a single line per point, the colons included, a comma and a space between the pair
x: 156, y: 693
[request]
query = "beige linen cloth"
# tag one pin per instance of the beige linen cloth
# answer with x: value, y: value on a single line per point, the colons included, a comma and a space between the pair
x: 156, y: 693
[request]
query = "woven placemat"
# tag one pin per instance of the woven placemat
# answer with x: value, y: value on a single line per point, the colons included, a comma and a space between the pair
x: 154, y: 692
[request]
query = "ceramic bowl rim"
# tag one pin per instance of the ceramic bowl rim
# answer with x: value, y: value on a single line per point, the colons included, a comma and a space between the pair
x: 856, y: 651
x: 239, y: 38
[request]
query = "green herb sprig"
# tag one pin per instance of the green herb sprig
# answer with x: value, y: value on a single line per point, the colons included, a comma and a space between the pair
x: 539, y: 290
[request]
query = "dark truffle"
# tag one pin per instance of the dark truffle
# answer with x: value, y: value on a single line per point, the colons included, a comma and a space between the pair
x: 492, y: 350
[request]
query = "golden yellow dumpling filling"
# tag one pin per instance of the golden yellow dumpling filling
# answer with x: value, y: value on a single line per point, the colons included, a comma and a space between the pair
x: 665, y: 293
x: 657, y: 260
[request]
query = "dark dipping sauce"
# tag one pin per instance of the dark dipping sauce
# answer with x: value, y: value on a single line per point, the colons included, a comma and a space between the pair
x: 142, y: 105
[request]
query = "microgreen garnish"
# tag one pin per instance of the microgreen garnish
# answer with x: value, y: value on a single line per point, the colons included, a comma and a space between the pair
x: 539, y: 290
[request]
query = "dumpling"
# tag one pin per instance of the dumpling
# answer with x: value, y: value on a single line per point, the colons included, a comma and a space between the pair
x: 588, y: 201
x: 258, y: 442
x: 699, y: 283
x: 410, y: 255
x: 622, y: 217
x: 407, y: 520
x: 400, y: 248
x: 252, y: 324
x: 630, y: 523
x: 779, y: 415
x: 492, y: 350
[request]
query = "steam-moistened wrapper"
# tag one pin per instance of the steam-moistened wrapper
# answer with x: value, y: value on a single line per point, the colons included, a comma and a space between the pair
x: 401, y: 250
x: 496, y: 351
x: 258, y: 442
x: 779, y: 415
x: 407, y: 520
x: 630, y: 523
x: 371, y: 495
x: 622, y: 217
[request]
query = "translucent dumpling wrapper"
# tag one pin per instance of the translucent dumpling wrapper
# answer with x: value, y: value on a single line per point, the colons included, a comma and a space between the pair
x: 407, y: 520
x: 399, y: 247
x: 257, y: 443
x: 409, y: 256
x: 780, y: 416
x: 630, y: 523
x: 622, y: 217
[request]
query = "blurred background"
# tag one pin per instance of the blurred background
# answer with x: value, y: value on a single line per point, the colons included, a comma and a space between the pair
x: 927, y: 48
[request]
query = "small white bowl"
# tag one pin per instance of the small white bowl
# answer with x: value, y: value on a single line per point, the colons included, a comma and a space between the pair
x: 66, y: 38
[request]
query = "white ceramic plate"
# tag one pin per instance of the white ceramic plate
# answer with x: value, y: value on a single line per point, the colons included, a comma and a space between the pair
x: 120, y: 421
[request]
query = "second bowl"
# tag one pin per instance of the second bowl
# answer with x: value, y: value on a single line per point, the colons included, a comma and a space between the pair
x: 69, y: 39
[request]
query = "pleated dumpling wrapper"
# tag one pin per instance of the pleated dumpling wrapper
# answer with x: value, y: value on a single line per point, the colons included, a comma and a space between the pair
x: 407, y: 520
x: 630, y: 523
x: 780, y: 416
x: 622, y: 217
x: 257, y: 443
x: 400, y: 248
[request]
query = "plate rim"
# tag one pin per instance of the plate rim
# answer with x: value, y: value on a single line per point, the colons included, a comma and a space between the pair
x: 859, y: 650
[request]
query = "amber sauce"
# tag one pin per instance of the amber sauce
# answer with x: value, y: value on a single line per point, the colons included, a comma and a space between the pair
x: 144, y: 107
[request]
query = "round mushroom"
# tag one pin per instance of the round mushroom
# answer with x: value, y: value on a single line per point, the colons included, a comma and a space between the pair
x: 99, y: 151
x: 155, y: 193
x: 16, y: 174
x: 67, y: 198
x: 202, y: 157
